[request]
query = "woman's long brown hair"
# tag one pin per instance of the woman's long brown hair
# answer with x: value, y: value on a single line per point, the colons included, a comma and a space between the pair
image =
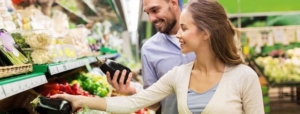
x: 210, y: 16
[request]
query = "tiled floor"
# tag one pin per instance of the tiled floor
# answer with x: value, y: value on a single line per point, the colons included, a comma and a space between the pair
x: 282, y: 105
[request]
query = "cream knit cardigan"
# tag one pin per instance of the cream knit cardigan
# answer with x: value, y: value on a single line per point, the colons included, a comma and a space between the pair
x: 239, y: 92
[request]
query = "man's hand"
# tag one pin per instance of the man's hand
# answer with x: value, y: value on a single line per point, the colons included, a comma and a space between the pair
x: 121, y: 87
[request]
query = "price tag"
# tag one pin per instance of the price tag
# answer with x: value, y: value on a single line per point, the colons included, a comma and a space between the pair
x: 93, y: 59
x: 35, y: 80
x: 87, y: 61
x: 270, y: 39
x: 252, y: 38
x: 53, y: 70
x: 61, y: 68
x: 280, y: 36
x: 2, y: 94
x: 82, y: 63
x: 44, y: 79
x: 67, y: 66
x: 23, y: 85
x: 8, y: 89
x: 291, y: 34
x: 298, y: 34
x: 71, y: 66
x: 77, y: 64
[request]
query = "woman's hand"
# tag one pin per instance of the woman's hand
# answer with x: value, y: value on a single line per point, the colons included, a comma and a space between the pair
x: 76, y: 101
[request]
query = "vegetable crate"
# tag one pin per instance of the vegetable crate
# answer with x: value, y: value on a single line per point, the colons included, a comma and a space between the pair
x: 15, y: 70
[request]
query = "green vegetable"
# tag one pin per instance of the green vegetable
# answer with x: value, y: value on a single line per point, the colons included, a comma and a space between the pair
x: 19, y: 40
x: 15, y: 60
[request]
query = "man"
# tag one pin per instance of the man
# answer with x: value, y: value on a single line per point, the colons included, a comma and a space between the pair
x: 161, y: 52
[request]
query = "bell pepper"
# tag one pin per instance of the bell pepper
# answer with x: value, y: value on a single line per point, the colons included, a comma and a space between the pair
x: 68, y: 89
x: 51, y: 88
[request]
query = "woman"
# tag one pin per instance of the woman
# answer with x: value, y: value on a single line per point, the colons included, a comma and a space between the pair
x: 215, y: 83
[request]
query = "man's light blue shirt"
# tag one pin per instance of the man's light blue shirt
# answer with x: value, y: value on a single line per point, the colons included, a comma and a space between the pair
x: 159, y: 55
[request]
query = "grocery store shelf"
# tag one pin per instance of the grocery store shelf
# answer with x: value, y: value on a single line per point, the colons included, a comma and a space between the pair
x: 90, y: 5
x: 56, y: 68
x: 78, y: 14
x: 109, y: 56
x: 17, y: 84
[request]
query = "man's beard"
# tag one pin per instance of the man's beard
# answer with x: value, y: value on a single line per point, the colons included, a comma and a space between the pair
x: 169, y: 25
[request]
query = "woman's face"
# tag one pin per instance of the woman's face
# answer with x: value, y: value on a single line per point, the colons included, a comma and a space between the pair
x: 190, y: 37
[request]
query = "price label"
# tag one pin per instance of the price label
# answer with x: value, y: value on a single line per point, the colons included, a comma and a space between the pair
x: 44, y: 79
x: 280, y: 36
x: 67, y: 66
x: 82, y: 63
x: 270, y: 39
x: 61, y: 68
x: 25, y: 83
x: 93, y: 59
x: 8, y: 89
x: 2, y: 94
x: 77, y: 64
x: 298, y: 34
x: 253, y: 38
x: 53, y: 70
x: 291, y: 34
x: 22, y: 85
x: 87, y: 61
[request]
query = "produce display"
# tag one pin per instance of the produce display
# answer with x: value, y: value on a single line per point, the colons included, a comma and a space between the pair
x: 94, y: 84
x: 276, y: 52
x: 281, y: 67
x: 77, y: 38
x: 32, y: 37
x: 84, y: 84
